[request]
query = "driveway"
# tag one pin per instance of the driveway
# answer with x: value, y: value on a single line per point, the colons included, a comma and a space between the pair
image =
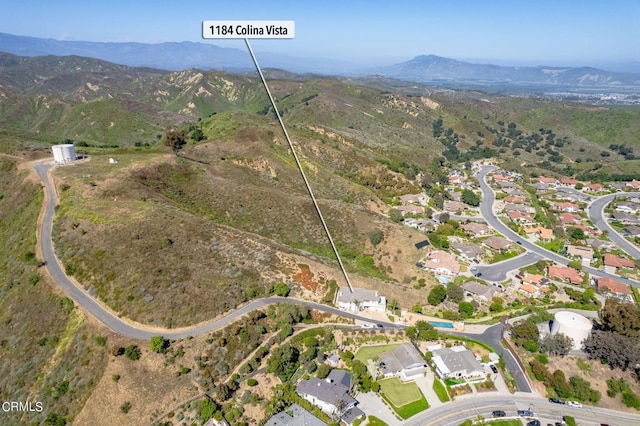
x: 373, y: 405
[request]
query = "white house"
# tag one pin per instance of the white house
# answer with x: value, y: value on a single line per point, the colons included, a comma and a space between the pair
x: 404, y: 362
x: 332, y: 395
x: 457, y: 362
x: 360, y: 299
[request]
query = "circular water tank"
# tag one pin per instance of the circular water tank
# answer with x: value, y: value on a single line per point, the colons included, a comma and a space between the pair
x: 64, y: 153
x: 573, y: 325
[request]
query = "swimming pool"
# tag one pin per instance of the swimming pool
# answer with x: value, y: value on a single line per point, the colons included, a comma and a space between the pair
x: 441, y: 324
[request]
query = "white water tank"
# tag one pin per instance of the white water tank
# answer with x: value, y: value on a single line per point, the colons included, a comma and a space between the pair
x: 573, y: 325
x: 64, y: 153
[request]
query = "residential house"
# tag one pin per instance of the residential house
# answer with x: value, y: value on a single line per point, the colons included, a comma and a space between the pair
x: 520, y: 217
x: 595, y: 187
x: 627, y: 207
x: 479, y: 292
x: 510, y: 207
x: 566, y: 207
x: 502, y: 176
x: 569, y: 182
x: 631, y: 231
x: 468, y: 252
x: 295, y: 415
x: 584, y: 253
x: 599, y: 244
x: 419, y: 223
x: 455, y: 206
x: 612, y: 263
x: 421, y: 199
x: 625, y: 218
x: 333, y: 360
x: 530, y: 290
x: 360, y: 299
x: 404, y: 361
x: 505, y: 184
x: 635, y: 184
x: 545, y: 234
x: 411, y: 209
x: 497, y: 243
x: 539, y: 187
x: 457, y: 362
x: 441, y: 263
x: 514, y: 191
x: 535, y: 279
x: 564, y: 273
x: 548, y: 180
x: 331, y: 395
x: 475, y: 228
x: 569, y: 218
x: 515, y: 199
x: 611, y: 288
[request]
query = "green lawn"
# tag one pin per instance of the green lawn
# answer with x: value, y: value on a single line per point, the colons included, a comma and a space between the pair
x: 370, y: 352
x: 440, y: 390
x: 405, y: 398
x: 374, y: 421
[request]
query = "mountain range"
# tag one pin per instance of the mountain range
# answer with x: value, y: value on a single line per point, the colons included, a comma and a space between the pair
x: 425, y: 68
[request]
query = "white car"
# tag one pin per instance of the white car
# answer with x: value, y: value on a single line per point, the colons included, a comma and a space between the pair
x: 574, y: 404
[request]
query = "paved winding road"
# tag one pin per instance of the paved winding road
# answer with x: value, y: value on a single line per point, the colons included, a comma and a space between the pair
x: 136, y: 330
x: 469, y: 407
x: 595, y: 210
x: 486, y: 210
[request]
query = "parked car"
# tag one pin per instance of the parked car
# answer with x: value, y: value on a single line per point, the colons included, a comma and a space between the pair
x: 499, y: 413
x: 574, y: 404
x: 556, y: 400
x: 534, y: 423
x: 494, y: 369
x: 525, y: 413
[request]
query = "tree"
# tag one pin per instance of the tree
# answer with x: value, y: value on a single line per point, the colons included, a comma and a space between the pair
x: 623, y: 318
x: 455, y: 293
x: 614, y: 349
x: 465, y: 309
x: 444, y: 217
x: 395, y: 215
x: 525, y: 331
x: 577, y: 233
x: 283, y: 362
x: 323, y: 371
x: 422, y: 331
x: 159, y: 344
x: 376, y: 237
x: 132, y: 352
x: 281, y: 289
x: 437, y: 295
x: 470, y: 197
x: 575, y: 264
x: 556, y: 344
x: 175, y: 139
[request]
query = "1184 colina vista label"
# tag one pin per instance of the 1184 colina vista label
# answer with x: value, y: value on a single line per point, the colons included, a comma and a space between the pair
x: 248, y: 29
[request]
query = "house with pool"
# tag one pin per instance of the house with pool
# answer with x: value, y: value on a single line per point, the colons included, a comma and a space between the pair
x: 444, y: 265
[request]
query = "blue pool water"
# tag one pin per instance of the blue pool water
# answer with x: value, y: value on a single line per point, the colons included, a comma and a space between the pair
x: 441, y: 324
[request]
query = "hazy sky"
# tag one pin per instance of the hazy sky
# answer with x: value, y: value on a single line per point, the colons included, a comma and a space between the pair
x: 565, y: 32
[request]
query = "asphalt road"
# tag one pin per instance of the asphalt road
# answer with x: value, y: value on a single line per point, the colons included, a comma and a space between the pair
x: 497, y: 272
x: 595, y: 210
x: 486, y: 210
x: 483, y: 405
x: 131, y: 329
x: 493, y: 337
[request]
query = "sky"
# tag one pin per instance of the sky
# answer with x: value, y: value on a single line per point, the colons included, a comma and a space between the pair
x: 520, y: 32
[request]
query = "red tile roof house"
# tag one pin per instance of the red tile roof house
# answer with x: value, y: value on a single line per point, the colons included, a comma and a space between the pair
x: 634, y: 184
x: 567, y: 207
x: 535, y: 279
x: 548, y: 180
x: 595, y: 187
x: 564, y: 273
x: 441, y: 263
x: 612, y: 262
x: 611, y: 288
x: 569, y: 218
x: 520, y: 217
x: 568, y: 181
x: 515, y: 199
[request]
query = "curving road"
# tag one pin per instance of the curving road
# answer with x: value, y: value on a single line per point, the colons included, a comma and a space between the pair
x: 469, y: 407
x: 129, y: 328
x: 595, y: 210
x: 486, y: 210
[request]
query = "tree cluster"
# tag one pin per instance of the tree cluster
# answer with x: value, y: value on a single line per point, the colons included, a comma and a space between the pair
x: 422, y: 331
x: 575, y: 388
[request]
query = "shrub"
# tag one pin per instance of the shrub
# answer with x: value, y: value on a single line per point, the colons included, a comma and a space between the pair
x: 132, y: 352
x: 125, y: 407
x: 252, y: 382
